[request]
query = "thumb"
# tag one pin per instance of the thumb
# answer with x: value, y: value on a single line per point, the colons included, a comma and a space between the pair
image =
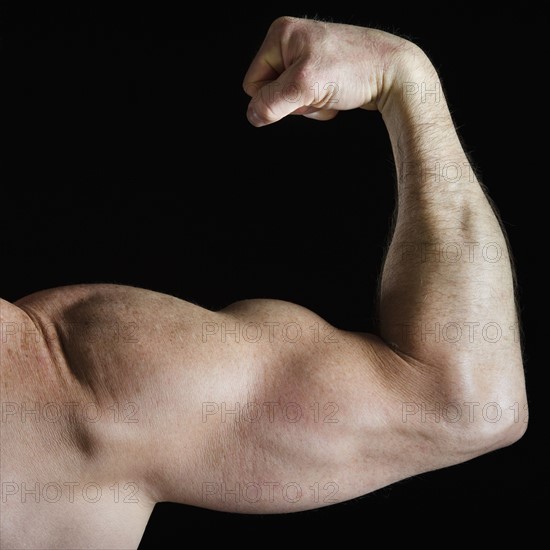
x: 281, y: 97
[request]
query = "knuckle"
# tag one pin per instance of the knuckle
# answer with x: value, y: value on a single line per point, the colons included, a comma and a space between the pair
x: 266, y: 113
x: 250, y: 88
x: 287, y: 27
x: 303, y: 75
x: 283, y: 23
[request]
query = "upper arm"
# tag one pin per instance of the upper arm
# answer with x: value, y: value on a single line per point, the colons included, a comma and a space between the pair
x: 293, y: 420
x: 261, y: 407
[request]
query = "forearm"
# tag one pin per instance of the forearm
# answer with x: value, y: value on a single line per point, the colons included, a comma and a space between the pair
x: 447, y: 294
x: 447, y: 297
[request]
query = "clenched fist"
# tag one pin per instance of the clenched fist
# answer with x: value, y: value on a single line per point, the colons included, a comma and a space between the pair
x: 316, y: 69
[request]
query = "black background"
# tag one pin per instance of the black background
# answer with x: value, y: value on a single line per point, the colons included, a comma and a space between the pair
x: 99, y: 104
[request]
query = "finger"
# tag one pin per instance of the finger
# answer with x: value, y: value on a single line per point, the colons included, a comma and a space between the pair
x: 267, y: 65
x: 274, y: 56
x: 260, y: 73
x: 280, y: 98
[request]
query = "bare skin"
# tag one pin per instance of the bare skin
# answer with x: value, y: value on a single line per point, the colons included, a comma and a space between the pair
x: 134, y: 390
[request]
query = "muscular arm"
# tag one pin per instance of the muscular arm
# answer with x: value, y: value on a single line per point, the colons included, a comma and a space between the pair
x: 447, y: 302
x: 233, y: 411
x: 409, y: 401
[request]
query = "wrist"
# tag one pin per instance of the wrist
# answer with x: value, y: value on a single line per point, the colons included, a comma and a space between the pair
x: 411, y: 83
x: 414, y: 97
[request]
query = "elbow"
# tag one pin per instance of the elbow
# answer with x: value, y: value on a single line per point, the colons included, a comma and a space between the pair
x: 491, y: 430
x: 507, y: 431
x: 494, y: 412
x: 471, y: 410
